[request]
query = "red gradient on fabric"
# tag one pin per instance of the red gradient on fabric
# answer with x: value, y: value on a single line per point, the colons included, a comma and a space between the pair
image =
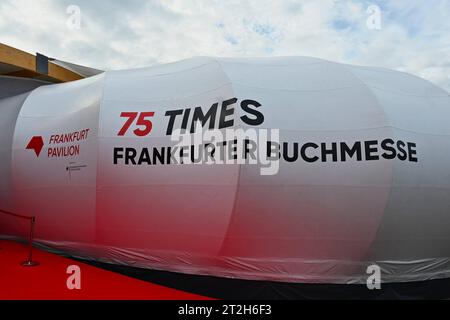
x: 48, y: 280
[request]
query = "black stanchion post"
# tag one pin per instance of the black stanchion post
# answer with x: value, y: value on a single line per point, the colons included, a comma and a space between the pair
x: 30, y: 262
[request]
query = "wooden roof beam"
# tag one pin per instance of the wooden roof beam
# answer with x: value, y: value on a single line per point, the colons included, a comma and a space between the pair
x: 27, y: 61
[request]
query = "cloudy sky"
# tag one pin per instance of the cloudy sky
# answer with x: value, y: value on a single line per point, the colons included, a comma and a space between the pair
x: 406, y: 35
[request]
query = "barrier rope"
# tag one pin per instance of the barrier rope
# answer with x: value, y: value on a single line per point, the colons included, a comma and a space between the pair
x: 29, y: 262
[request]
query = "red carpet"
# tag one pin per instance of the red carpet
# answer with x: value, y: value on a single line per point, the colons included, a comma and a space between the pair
x: 48, y: 280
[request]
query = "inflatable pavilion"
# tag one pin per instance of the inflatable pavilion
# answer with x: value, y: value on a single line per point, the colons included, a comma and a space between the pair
x: 354, y: 170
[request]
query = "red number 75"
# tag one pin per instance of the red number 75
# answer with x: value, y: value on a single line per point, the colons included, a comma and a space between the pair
x: 146, y: 124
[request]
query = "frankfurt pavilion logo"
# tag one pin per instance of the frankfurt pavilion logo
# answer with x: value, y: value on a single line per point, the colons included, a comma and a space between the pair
x: 61, y: 145
x: 36, y: 143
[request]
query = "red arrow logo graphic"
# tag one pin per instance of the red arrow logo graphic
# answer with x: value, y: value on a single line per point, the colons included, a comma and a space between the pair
x: 36, y: 143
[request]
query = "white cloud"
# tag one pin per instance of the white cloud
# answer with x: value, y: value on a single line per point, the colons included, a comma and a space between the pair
x: 414, y: 35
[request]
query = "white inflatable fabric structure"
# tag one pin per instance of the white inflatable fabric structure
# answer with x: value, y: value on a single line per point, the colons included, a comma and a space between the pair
x: 363, y: 173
